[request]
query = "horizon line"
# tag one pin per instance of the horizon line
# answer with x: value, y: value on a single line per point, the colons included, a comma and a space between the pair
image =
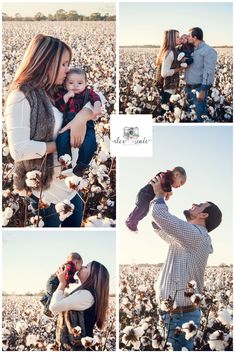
x: 158, y: 46
x: 36, y: 294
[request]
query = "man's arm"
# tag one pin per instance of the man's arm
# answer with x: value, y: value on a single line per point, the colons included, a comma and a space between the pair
x: 183, y: 232
x: 162, y: 234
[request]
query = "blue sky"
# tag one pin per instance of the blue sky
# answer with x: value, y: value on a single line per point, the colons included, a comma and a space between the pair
x: 29, y: 257
x: 83, y: 8
x: 206, y: 154
x: 144, y: 22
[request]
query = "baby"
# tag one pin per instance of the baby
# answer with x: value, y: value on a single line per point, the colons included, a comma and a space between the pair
x: 72, y: 265
x: 70, y: 100
x: 186, y: 50
x: 169, y: 179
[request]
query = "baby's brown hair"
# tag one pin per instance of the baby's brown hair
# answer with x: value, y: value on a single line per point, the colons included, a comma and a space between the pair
x: 181, y: 171
x: 74, y: 256
x: 78, y: 71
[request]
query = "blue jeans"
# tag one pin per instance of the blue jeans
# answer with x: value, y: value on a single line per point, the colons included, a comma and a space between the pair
x: 178, y: 320
x: 200, y: 106
x: 51, y: 286
x: 51, y: 217
x: 87, y: 148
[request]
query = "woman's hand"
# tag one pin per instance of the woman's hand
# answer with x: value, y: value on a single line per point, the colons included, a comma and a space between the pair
x: 179, y: 69
x: 77, y: 127
x: 50, y: 147
x: 201, y: 96
x: 61, y: 274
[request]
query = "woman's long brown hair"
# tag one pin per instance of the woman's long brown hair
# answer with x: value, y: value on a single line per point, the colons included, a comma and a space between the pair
x: 41, y: 63
x: 99, y: 281
x: 169, y: 43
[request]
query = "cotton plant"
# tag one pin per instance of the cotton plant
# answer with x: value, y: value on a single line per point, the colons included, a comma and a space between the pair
x: 217, y: 341
x: 143, y: 74
x: 76, y: 183
x: 65, y: 209
x: 138, y: 308
x: 31, y: 340
x: 36, y: 221
x: 131, y: 336
x: 24, y: 327
x: 99, y: 221
x: 33, y: 179
x: 6, y: 216
x: 190, y: 329
x: 88, y: 342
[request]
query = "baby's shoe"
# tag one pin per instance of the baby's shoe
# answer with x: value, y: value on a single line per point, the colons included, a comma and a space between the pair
x: 78, y: 171
x: 184, y: 65
x: 43, y: 300
x: 67, y: 172
x: 180, y: 56
x: 48, y: 312
x: 131, y: 225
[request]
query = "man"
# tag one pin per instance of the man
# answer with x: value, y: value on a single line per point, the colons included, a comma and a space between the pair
x: 189, y: 248
x: 200, y: 74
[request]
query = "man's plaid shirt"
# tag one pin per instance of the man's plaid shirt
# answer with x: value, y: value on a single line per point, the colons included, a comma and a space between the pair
x: 189, y: 248
x: 76, y: 103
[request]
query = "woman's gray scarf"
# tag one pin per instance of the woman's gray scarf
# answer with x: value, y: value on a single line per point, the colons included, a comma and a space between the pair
x: 42, y: 123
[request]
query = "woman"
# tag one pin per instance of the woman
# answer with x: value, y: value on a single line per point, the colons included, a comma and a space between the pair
x: 168, y: 67
x: 84, y: 307
x: 33, y: 124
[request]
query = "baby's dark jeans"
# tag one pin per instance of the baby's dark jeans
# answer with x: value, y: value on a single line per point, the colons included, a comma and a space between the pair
x: 86, y: 150
x: 144, y: 197
x: 51, y: 287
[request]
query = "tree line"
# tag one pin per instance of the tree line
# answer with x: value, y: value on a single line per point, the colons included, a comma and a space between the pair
x: 60, y: 15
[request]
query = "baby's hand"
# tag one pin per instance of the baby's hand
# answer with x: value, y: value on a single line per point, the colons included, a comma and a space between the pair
x: 70, y: 94
x: 168, y: 195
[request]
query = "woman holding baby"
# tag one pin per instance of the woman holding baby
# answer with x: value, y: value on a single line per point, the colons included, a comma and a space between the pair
x: 168, y: 67
x: 82, y: 309
x: 33, y: 124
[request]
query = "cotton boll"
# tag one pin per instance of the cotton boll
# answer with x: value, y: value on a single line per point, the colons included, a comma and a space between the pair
x: 224, y: 317
x: 174, y: 98
x: 177, y: 113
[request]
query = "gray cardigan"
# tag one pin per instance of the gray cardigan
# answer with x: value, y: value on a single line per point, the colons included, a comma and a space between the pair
x: 42, y: 123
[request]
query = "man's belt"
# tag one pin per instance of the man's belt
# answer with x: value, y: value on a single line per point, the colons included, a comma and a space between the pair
x: 180, y: 309
x: 194, y: 86
x: 184, y: 309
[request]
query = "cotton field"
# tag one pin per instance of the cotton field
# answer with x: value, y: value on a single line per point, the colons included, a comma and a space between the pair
x: 138, y: 92
x: 25, y: 328
x: 93, y: 45
x: 141, y: 327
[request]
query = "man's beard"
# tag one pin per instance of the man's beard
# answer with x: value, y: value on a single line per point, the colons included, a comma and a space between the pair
x: 187, y: 215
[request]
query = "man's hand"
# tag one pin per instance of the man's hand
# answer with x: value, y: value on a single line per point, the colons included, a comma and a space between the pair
x: 168, y: 195
x: 201, y: 96
x: 157, y: 187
